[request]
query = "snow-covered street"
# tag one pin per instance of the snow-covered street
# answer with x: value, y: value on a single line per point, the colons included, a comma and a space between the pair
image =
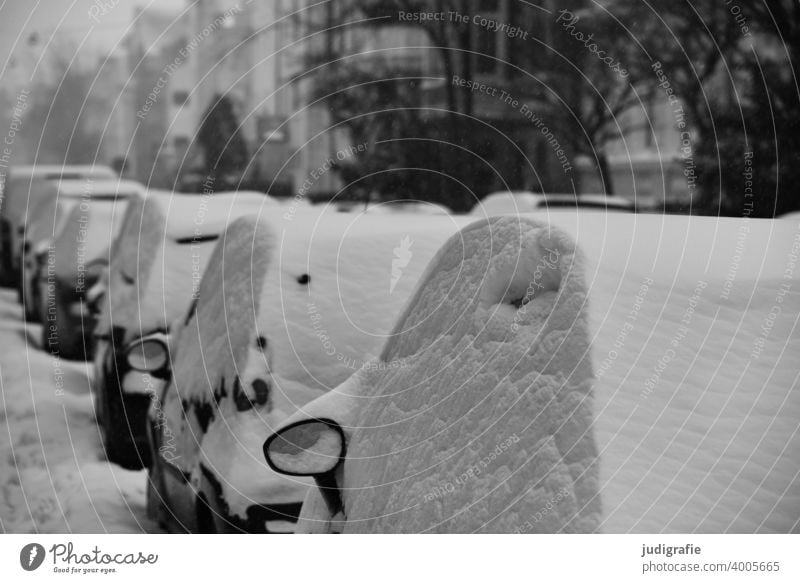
x: 53, y: 473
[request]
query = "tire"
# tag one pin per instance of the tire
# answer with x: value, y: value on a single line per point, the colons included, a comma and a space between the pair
x: 6, y: 279
x: 30, y: 305
x: 115, y: 412
x: 58, y: 339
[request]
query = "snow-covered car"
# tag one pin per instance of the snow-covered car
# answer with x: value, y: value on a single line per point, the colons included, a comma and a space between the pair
x: 22, y: 188
x: 48, y: 213
x: 516, y: 202
x: 157, y: 262
x: 393, y: 206
x: 215, y: 394
x: 334, y: 286
x: 73, y: 262
x: 658, y: 405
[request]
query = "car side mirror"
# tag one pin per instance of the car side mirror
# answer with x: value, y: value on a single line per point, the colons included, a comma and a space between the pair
x: 147, y: 355
x: 312, y: 447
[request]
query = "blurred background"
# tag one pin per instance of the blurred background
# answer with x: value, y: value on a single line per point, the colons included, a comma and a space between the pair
x: 678, y: 107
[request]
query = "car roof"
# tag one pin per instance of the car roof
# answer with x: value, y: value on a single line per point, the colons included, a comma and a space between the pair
x: 200, y: 216
x: 530, y: 200
x: 91, y: 187
x: 55, y: 171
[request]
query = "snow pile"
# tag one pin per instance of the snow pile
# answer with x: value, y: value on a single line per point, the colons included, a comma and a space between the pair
x: 53, y: 477
x: 337, y: 284
x: 198, y: 215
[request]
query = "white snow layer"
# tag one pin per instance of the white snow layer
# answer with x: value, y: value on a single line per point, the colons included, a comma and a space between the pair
x: 691, y: 420
x: 338, y: 283
x: 359, y: 273
x: 163, y: 250
x: 53, y: 473
x: 703, y: 440
x: 86, y: 237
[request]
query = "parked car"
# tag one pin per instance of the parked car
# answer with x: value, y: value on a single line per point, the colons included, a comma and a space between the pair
x: 48, y: 213
x: 390, y: 448
x: 77, y: 258
x: 326, y: 306
x: 392, y: 206
x: 515, y: 202
x: 214, y: 391
x: 21, y: 190
x: 157, y: 263
x: 511, y: 416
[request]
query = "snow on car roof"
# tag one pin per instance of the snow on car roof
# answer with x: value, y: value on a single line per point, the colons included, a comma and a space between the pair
x: 27, y: 182
x: 510, y: 202
x: 337, y: 285
x: 201, y: 215
x: 93, y: 187
x: 683, y: 247
x: 56, y: 171
x: 165, y: 253
x: 422, y: 208
x: 86, y: 236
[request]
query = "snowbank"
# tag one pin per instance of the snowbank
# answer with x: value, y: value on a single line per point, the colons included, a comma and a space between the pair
x: 53, y: 477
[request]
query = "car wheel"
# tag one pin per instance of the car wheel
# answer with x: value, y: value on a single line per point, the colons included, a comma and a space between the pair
x: 58, y: 338
x: 121, y: 448
x: 30, y: 301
